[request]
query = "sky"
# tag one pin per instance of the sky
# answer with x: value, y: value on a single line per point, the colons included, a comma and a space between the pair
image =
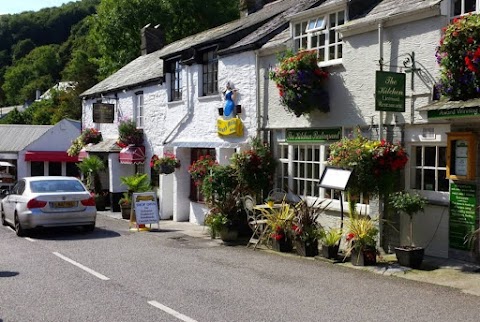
x: 17, y: 6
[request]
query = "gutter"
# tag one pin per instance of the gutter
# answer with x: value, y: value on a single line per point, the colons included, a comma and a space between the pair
x: 389, y: 21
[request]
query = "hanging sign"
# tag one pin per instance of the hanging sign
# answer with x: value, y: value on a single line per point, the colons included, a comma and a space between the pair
x: 233, y: 126
x: 462, y: 214
x: 389, y: 91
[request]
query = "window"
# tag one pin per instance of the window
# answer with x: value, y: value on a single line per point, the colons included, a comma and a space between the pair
x: 462, y: 7
x: 321, y: 34
x: 428, y: 168
x: 37, y: 168
x: 139, y: 112
x: 301, y: 167
x: 72, y: 170
x: 210, y: 72
x: 195, y: 194
x: 54, y: 168
x: 175, y: 81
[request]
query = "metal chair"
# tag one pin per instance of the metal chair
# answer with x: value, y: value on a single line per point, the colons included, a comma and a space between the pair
x: 277, y: 195
x: 255, y: 221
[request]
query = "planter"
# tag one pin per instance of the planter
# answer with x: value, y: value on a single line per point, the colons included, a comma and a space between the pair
x: 330, y: 251
x: 125, y: 211
x: 228, y: 234
x: 100, y: 203
x: 166, y: 169
x: 307, y: 250
x: 364, y: 257
x: 283, y: 245
x: 410, y: 256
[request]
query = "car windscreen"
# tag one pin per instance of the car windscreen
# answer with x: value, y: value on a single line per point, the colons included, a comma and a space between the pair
x: 56, y: 186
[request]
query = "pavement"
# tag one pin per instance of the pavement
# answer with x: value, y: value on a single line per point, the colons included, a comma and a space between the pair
x: 464, y: 276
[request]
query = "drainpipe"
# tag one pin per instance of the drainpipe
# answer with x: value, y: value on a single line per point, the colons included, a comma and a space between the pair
x: 184, y: 118
x: 257, y: 97
x: 380, y: 47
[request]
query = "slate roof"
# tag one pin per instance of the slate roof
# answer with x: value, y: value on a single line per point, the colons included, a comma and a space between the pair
x: 107, y: 145
x: 391, y: 8
x: 16, y: 137
x: 149, y: 68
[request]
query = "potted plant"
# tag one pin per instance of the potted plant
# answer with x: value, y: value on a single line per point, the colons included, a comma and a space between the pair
x: 129, y: 134
x: 90, y: 135
x: 361, y: 240
x: 410, y: 204
x: 279, y: 222
x: 200, y: 168
x: 91, y: 167
x: 216, y: 223
x: 306, y: 229
x: 136, y: 183
x: 166, y: 164
x: 220, y: 189
x: 330, y: 242
x: 301, y: 83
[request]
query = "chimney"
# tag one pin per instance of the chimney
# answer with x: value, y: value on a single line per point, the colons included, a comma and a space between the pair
x: 250, y: 6
x: 152, y: 38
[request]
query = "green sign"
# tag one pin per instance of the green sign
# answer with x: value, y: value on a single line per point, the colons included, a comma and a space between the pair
x: 454, y: 112
x: 314, y: 135
x: 389, y: 91
x: 462, y: 214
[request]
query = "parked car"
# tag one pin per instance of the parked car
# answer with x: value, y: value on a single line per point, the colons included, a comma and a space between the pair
x: 46, y: 201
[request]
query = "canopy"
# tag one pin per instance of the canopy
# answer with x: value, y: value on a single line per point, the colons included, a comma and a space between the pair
x: 6, y: 164
x: 132, y: 155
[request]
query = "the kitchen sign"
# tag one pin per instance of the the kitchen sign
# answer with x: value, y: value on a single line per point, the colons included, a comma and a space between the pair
x: 389, y: 91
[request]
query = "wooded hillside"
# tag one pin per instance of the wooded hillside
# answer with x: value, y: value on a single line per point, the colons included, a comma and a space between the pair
x: 84, y: 42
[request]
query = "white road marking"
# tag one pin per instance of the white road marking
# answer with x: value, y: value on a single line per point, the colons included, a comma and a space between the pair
x: 91, y: 271
x: 171, y: 311
x: 30, y: 239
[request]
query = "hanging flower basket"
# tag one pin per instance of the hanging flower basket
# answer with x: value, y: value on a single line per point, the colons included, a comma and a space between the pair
x: 301, y: 83
x: 166, y: 169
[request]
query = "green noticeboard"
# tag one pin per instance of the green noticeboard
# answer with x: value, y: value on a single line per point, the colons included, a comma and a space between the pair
x: 462, y: 214
x: 389, y: 91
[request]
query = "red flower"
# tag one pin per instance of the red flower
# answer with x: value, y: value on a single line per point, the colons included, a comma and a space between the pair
x: 350, y: 236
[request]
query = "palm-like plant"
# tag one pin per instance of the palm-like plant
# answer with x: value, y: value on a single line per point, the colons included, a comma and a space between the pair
x: 91, y: 168
x: 136, y: 183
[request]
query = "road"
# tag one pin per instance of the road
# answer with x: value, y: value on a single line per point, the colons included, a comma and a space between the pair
x: 116, y: 275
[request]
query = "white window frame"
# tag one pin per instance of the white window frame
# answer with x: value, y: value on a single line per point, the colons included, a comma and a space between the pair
x: 304, y: 35
x: 139, y: 110
x: 410, y: 174
x: 462, y: 8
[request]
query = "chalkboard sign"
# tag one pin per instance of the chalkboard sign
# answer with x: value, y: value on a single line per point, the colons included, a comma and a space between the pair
x: 103, y: 112
x: 462, y: 214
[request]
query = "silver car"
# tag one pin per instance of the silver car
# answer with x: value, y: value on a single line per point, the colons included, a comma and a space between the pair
x: 48, y: 202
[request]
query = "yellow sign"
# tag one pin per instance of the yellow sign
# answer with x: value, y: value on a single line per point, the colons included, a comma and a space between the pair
x: 232, y: 126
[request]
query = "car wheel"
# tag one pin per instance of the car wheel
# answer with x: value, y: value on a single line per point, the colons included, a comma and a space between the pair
x: 18, y: 228
x: 89, y: 228
x: 4, y: 222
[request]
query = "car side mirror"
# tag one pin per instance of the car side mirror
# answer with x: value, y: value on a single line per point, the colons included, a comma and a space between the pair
x: 5, y: 192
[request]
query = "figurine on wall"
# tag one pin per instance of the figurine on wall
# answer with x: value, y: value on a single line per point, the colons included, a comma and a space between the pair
x: 230, y: 97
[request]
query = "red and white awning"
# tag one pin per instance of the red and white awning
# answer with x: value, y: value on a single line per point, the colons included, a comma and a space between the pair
x: 50, y: 156
x: 132, y: 155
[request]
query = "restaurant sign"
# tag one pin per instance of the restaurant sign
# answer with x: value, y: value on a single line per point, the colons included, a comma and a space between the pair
x: 389, y: 91
x: 454, y: 112
x: 314, y: 135
x: 233, y: 126
x: 462, y: 214
x: 103, y: 113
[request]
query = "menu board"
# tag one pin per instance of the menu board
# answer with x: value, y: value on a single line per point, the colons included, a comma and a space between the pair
x: 462, y: 214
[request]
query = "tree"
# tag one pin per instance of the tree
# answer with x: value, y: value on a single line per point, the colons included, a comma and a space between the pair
x: 117, y: 25
x: 38, y: 70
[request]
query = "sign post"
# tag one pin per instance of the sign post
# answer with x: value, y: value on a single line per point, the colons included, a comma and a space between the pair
x: 145, y: 210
